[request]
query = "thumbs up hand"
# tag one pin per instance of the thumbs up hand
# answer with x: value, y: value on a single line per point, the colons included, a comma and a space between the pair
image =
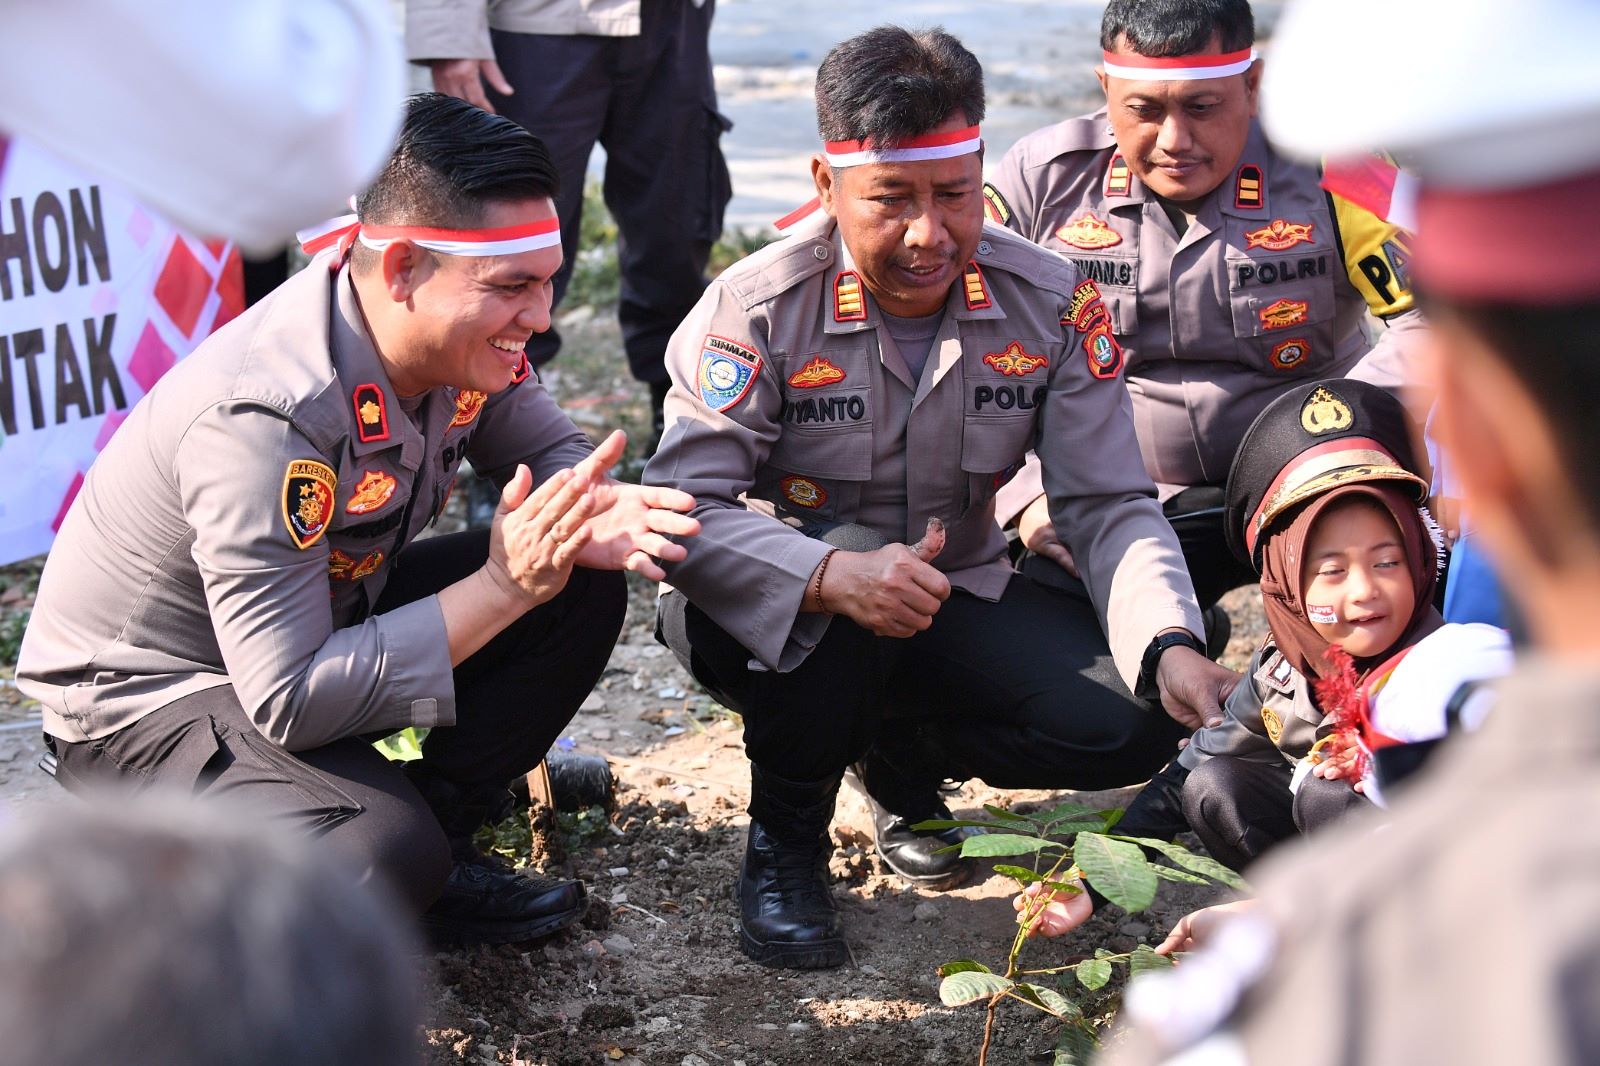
x: 894, y: 591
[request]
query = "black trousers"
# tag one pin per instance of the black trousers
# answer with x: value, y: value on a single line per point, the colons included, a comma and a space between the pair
x: 1021, y: 693
x: 513, y: 698
x: 1196, y: 517
x: 651, y: 103
x: 1240, y: 809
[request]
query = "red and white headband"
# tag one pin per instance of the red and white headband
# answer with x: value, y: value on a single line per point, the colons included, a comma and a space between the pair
x: 1177, y: 68
x: 928, y: 146
x: 506, y: 240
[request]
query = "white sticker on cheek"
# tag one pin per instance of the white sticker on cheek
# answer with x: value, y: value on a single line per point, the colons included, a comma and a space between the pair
x: 1322, y: 616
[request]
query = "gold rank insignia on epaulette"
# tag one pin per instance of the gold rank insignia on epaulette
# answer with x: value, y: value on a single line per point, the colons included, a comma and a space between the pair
x: 1249, y: 188
x: 1117, y: 176
x: 976, y: 291
x: 848, y: 306
x: 372, y: 415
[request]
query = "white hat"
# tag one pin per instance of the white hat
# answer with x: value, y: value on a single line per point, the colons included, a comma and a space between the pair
x: 1467, y: 93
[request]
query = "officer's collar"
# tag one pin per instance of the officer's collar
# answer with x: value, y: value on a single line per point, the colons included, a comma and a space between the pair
x: 848, y: 308
x: 1243, y: 193
x: 373, y: 418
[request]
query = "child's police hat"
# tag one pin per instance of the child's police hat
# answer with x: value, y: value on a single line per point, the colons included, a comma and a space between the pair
x: 1313, y: 438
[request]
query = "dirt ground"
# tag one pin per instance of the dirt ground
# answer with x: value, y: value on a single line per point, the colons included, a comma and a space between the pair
x: 655, y: 976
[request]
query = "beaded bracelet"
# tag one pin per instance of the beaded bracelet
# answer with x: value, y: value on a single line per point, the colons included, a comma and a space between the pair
x: 816, y: 581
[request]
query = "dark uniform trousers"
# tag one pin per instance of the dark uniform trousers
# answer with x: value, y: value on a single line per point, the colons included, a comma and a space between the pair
x: 1240, y: 809
x: 651, y: 103
x: 513, y: 698
x: 1021, y: 693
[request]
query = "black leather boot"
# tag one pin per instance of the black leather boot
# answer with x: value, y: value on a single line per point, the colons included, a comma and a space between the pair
x: 485, y: 901
x: 787, y: 916
x: 902, y: 788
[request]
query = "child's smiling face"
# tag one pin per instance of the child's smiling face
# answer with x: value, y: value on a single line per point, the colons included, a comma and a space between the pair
x: 1358, y: 589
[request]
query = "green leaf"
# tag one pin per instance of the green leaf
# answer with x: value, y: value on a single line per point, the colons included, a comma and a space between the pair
x: 1064, y: 811
x: 1118, y: 869
x: 1112, y: 817
x: 1001, y: 812
x: 963, y: 966
x: 933, y: 824
x: 1062, y: 886
x: 1048, y: 999
x: 1018, y: 873
x: 1145, y: 958
x: 403, y: 746
x: 1200, y: 864
x: 1093, y: 973
x: 1075, y: 1045
x: 1167, y: 873
x: 1104, y: 953
x: 969, y: 986
x: 1062, y: 829
x: 990, y: 845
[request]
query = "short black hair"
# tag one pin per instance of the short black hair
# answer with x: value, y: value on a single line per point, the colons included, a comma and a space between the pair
x: 1177, y: 27
x: 890, y: 84
x: 451, y: 160
x: 1555, y: 353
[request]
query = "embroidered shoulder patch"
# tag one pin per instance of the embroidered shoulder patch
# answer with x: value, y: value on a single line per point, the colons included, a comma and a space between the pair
x: 372, y: 416
x: 995, y: 206
x: 1291, y: 353
x: 815, y: 374
x: 308, y: 488
x: 468, y: 404
x: 1105, y: 354
x: 373, y: 491
x: 727, y: 370
x: 803, y: 492
x: 1084, y: 308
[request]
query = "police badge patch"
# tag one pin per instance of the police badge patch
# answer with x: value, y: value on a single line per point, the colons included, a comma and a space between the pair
x: 307, y: 500
x: 727, y: 370
x: 1105, y: 354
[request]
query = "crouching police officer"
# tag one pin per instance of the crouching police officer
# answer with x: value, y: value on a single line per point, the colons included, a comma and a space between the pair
x: 235, y: 603
x: 867, y: 383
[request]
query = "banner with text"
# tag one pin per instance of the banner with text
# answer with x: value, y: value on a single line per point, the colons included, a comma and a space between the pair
x: 98, y: 298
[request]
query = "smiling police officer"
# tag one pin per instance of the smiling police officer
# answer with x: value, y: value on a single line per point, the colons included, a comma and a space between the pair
x: 236, y: 603
x: 1229, y: 276
x: 868, y: 383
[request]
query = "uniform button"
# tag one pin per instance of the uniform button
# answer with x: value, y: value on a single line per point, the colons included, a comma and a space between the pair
x: 984, y: 247
x: 820, y: 251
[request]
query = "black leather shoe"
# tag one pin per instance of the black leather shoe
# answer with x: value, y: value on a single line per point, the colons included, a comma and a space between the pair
x: 787, y: 917
x: 917, y: 856
x: 483, y: 904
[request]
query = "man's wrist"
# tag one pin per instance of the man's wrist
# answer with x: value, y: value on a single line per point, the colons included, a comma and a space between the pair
x: 1150, y: 664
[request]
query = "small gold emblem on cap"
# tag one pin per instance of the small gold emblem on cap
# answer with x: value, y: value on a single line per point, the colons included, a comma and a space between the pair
x: 1325, y: 413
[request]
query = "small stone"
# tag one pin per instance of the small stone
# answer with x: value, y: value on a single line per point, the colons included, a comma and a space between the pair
x: 619, y: 871
x: 1137, y: 930
x: 670, y: 694
x: 618, y: 944
x: 601, y: 733
x: 593, y: 949
x: 798, y: 1027
x: 926, y: 911
x: 663, y: 864
x: 692, y: 1059
x: 770, y: 1027
x: 672, y: 731
x: 681, y: 790
x: 871, y: 970
x: 593, y: 703
x: 619, y: 897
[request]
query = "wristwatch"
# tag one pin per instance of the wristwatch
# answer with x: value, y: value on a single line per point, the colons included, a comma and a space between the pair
x: 1147, y: 689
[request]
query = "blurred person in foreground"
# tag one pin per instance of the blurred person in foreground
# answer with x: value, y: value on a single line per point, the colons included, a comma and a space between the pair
x: 238, y: 601
x: 162, y: 932
x: 1468, y: 931
x: 1230, y: 276
x: 844, y: 404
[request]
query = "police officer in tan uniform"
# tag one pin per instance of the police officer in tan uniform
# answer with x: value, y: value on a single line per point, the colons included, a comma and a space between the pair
x: 237, y: 602
x: 1468, y: 930
x: 1229, y: 275
x: 845, y: 403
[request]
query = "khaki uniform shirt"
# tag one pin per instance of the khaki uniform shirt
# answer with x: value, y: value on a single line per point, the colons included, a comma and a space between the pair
x: 459, y: 29
x: 1269, y: 717
x: 1269, y: 286
x: 790, y: 411
x: 1466, y: 931
x: 242, y: 522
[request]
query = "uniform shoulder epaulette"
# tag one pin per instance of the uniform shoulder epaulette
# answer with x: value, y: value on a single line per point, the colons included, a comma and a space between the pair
x: 1001, y: 249
x: 778, y: 267
x: 1274, y: 670
x: 1088, y: 133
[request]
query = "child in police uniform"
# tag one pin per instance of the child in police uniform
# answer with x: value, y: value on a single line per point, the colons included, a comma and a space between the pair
x: 1325, y: 502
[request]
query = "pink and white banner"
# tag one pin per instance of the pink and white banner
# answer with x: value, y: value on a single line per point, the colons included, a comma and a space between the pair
x: 98, y: 298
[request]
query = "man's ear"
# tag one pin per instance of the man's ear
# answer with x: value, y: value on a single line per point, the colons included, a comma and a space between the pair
x: 1105, y: 85
x: 1252, y: 84
x: 404, y: 268
x: 822, y: 178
